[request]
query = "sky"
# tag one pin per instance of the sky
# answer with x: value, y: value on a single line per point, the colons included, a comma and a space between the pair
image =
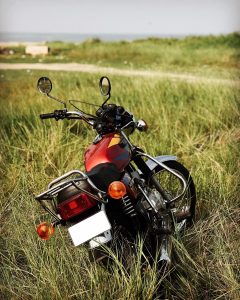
x: 166, y: 17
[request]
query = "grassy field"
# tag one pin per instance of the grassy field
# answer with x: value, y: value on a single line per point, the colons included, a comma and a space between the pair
x: 197, y: 122
x: 216, y: 56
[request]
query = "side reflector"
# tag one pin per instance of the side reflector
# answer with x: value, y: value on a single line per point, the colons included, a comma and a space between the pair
x: 116, y: 190
x: 45, y: 230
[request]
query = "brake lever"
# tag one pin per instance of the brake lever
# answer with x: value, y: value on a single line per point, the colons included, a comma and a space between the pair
x: 80, y: 115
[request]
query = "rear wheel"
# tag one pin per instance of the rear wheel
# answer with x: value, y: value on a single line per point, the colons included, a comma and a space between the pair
x: 183, y: 209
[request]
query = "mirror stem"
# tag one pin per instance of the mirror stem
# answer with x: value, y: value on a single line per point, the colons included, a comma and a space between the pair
x: 58, y: 100
x: 109, y: 96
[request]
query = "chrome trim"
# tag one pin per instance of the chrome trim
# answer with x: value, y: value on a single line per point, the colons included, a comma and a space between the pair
x: 147, y: 198
x: 65, y: 176
x: 169, y: 170
x: 81, y: 115
x: 165, y: 250
x: 56, y: 186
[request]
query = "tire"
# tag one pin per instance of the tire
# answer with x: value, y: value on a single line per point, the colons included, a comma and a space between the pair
x: 184, y: 208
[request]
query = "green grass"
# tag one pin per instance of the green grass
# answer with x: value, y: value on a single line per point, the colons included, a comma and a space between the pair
x: 199, y: 123
x: 216, y: 56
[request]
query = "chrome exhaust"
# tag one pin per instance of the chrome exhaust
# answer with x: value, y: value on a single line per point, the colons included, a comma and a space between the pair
x: 165, y: 251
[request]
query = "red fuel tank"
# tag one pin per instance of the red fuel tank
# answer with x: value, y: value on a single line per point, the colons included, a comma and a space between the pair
x: 110, y: 149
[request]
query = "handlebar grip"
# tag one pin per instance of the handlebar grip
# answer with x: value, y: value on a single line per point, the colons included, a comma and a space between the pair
x: 47, y: 116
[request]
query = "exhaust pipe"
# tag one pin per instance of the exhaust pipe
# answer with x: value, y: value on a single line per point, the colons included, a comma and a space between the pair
x: 165, y: 252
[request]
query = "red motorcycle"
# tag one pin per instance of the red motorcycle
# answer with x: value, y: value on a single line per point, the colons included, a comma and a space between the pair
x: 123, y: 191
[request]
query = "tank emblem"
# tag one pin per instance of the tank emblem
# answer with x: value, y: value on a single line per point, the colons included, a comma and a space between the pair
x: 115, y: 140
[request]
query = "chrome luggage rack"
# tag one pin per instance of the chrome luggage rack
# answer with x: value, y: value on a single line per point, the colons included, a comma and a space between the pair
x: 58, y: 185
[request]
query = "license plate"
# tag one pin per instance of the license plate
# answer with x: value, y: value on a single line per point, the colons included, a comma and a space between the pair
x: 89, y: 228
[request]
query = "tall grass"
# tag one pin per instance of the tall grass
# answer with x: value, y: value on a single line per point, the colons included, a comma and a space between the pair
x: 199, y: 123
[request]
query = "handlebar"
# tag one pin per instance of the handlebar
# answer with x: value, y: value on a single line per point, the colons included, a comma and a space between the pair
x: 57, y: 114
x: 107, y: 119
x: 64, y: 114
x: 47, y: 116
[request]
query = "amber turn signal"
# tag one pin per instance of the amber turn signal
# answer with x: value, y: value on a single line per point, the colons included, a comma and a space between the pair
x: 117, y: 190
x: 45, y: 230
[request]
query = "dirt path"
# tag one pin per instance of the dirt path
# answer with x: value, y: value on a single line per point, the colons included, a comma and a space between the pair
x: 74, y: 67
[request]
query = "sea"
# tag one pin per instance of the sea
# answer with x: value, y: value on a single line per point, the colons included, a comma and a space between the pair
x: 74, y: 37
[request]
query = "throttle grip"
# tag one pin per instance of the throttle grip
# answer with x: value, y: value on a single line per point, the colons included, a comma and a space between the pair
x: 47, y: 116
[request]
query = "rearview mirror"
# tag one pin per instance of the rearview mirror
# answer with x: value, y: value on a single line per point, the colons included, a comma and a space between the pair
x: 105, y: 86
x: 44, y: 85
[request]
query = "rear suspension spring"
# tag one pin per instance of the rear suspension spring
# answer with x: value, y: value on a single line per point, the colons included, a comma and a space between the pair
x: 128, y: 208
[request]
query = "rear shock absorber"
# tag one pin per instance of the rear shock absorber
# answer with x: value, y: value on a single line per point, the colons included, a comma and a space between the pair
x: 130, y: 211
x: 128, y: 208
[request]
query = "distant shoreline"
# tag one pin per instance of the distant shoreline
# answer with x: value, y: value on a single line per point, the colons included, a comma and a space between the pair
x: 14, y: 37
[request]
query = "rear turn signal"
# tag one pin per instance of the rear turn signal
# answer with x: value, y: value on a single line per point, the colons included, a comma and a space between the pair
x: 116, y: 190
x: 45, y: 230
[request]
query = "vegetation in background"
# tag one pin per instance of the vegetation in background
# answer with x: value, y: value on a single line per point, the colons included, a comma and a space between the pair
x: 213, y: 55
x: 199, y: 123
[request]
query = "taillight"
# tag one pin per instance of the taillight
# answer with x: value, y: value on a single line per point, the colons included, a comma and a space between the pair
x: 75, y: 206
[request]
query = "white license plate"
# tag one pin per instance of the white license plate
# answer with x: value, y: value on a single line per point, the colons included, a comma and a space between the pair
x: 89, y: 228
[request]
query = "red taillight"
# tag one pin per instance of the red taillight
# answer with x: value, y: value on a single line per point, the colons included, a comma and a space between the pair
x: 75, y: 206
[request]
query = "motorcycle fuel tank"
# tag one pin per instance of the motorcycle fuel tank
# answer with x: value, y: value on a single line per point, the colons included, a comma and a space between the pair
x: 110, y: 149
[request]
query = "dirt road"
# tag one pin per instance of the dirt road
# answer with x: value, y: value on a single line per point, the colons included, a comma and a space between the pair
x: 87, y: 68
